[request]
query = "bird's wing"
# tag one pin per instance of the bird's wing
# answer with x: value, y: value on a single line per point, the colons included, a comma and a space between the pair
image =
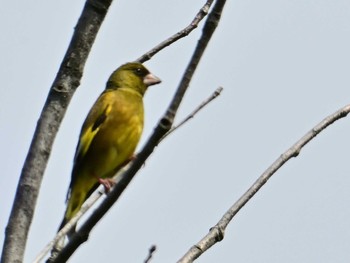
x: 92, y: 125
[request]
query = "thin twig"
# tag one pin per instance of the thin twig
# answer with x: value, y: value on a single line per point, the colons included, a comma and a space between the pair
x: 162, y: 128
x: 151, y: 251
x: 213, y: 96
x: 217, y: 232
x: 185, y: 32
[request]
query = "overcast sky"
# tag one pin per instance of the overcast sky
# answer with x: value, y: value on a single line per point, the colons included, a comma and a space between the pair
x: 284, y: 66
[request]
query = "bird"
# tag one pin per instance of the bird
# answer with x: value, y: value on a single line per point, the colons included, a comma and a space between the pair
x: 109, y: 135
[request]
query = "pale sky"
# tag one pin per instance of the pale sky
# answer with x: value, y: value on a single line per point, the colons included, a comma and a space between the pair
x: 284, y: 66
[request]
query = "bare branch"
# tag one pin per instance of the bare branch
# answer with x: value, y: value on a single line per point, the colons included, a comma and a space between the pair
x: 61, y: 92
x: 213, y: 96
x: 161, y: 129
x: 217, y: 232
x: 185, y: 32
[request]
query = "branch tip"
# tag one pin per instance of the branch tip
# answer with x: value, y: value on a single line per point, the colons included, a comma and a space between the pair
x: 151, y: 251
x: 218, y: 91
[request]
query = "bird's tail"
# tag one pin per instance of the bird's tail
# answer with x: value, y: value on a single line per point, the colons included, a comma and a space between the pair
x: 76, y: 199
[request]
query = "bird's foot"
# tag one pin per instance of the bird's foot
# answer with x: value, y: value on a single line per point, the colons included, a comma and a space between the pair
x: 108, y: 183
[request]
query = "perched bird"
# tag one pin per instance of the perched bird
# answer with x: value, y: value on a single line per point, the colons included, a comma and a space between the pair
x: 110, y: 134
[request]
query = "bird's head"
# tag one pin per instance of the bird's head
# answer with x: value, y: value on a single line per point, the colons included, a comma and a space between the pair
x: 132, y: 75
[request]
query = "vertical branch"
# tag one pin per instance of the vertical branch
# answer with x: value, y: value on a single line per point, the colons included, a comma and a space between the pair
x: 60, y: 94
x: 161, y: 129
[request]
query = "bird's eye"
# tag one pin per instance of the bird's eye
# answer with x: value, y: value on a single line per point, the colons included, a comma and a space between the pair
x: 139, y: 71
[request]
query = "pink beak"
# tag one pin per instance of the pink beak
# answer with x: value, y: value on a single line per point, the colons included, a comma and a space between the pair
x: 151, y: 79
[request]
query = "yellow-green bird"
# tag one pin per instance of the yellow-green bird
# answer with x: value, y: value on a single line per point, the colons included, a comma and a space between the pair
x: 110, y: 133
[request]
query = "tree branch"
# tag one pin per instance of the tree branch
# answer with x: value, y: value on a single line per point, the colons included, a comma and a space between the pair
x: 213, y: 96
x: 183, y: 33
x: 161, y: 129
x: 60, y: 94
x: 216, y: 233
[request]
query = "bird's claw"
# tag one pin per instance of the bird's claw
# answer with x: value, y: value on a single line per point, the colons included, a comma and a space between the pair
x: 107, y: 183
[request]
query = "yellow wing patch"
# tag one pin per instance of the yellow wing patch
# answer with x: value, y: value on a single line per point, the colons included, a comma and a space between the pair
x: 89, y: 134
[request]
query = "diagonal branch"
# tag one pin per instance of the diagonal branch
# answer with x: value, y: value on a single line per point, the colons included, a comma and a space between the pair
x: 66, y: 82
x: 183, y: 33
x: 161, y: 129
x: 216, y: 233
x: 216, y: 93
